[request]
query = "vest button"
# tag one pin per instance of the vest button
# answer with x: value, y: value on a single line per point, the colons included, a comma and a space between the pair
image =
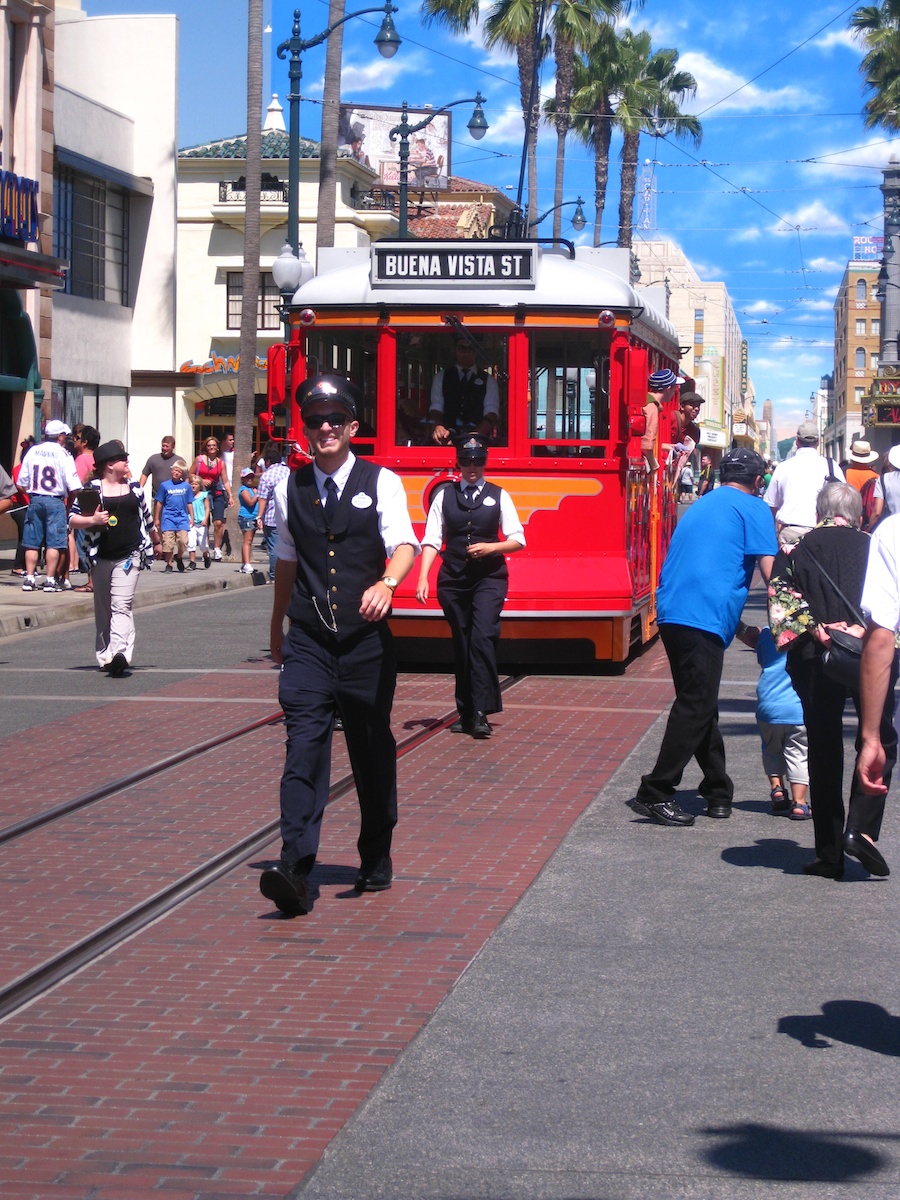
x: 331, y: 537
x: 333, y: 571
x: 331, y: 554
x: 334, y: 589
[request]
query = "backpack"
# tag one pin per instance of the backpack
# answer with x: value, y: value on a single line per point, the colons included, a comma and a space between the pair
x: 867, y: 494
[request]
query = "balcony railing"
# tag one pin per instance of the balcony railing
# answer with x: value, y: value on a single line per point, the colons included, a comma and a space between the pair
x: 273, y: 191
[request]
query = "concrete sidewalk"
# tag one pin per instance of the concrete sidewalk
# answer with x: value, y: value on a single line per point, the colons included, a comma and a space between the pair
x: 667, y: 1013
x: 21, y: 611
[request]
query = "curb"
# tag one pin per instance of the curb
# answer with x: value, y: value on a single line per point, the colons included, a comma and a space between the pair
x: 82, y: 608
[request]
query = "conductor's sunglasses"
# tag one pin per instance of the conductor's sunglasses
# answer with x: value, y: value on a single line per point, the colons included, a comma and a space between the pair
x: 317, y: 420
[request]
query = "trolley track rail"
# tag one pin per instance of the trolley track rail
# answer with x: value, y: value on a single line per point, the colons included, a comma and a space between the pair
x: 68, y: 962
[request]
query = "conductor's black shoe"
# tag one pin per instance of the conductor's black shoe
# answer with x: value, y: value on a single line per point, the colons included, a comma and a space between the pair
x: 463, y: 725
x: 117, y: 665
x: 861, y: 849
x: 480, y: 727
x: 285, y: 886
x: 718, y: 809
x: 338, y: 724
x: 665, y: 812
x: 375, y: 877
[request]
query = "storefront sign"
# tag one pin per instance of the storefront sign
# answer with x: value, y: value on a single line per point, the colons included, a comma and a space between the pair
x: 885, y: 387
x: 397, y: 265
x: 219, y: 365
x: 18, y: 207
x: 744, y: 354
x: 887, y: 414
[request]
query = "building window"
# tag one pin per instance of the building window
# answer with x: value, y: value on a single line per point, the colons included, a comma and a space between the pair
x: 267, y: 316
x: 858, y: 394
x: 873, y: 362
x: 860, y: 358
x: 698, y: 314
x: 860, y: 326
x: 90, y: 230
x: 861, y: 289
x: 876, y: 327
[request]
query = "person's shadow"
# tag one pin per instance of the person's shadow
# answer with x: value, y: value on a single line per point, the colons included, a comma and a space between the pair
x: 855, y: 1022
x: 773, y: 1152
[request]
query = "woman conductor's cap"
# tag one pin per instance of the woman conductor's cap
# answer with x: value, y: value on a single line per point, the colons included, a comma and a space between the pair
x: 472, y: 443
x: 330, y: 389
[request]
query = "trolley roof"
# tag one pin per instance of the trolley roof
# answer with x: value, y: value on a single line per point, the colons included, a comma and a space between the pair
x: 483, y: 274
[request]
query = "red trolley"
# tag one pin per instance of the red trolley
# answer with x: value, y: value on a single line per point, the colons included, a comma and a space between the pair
x: 570, y: 343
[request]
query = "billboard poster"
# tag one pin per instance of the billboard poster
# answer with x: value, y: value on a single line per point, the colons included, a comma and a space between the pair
x: 363, y: 134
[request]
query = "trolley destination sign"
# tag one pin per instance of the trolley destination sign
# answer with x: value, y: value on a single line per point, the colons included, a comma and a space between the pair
x: 405, y: 264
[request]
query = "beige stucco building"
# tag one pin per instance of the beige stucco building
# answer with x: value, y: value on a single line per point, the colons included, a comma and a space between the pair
x: 709, y: 333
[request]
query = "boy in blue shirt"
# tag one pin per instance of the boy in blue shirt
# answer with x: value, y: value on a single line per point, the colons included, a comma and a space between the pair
x: 779, y: 715
x: 174, y: 514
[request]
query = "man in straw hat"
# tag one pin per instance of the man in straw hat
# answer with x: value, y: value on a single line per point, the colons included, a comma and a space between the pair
x: 861, y: 470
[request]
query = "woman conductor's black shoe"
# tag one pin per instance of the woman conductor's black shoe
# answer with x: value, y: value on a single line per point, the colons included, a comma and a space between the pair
x: 865, y: 853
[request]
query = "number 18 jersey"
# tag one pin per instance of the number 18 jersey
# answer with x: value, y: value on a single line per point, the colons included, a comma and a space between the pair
x: 48, y: 469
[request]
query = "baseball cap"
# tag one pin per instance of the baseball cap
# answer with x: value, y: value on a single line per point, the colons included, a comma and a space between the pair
x: 660, y: 380
x: 741, y: 466
x: 55, y: 428
x: 329, y: 388
x: 247, y: 471
x: 807, y: 431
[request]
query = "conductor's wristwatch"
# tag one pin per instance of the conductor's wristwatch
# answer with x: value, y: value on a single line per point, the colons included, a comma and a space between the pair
x: 390, y: 581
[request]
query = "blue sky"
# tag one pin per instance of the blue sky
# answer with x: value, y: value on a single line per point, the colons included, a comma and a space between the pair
x: 789, y: 174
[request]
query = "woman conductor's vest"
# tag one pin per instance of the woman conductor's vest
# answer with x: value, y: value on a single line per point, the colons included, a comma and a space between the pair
x: 465, y: 524
x: 339, y: 555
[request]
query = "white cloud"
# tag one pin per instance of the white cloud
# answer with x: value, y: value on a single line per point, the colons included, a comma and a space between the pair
x: 715, y: 82
x: 507, y: 126
x: 758, y: 307
x: 841, y: 38
x: 750, y: 234
x: 375, y: 75
x: 827, y: 264
x: 815, y: 216
x: 870, y: 156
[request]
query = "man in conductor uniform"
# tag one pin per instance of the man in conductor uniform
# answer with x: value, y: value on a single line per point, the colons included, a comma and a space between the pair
x: 339, y: 519
x: 463, y: 399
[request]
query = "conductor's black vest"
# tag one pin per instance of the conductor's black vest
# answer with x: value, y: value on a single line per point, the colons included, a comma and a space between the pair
x: 465, y: 524
x: 463, y: 400
x: 334, y: 566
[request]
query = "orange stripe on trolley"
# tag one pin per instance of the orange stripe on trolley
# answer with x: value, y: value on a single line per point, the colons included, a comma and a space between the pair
x: 529, y: 495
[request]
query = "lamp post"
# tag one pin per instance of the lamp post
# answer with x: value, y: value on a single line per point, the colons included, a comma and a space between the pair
x: 477, y: 127
x: 578, y: 218
x: 387, y: 40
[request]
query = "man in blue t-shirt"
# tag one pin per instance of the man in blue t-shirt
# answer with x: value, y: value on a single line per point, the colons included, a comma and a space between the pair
x: 702, y: 591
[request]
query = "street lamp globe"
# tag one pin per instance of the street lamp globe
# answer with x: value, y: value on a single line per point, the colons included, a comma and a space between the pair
x: 478, y: 126
x: 578, y: 218
x: 288, y: 268
x: 387, y: 39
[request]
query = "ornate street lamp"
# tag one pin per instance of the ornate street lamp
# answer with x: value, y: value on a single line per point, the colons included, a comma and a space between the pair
x: 477, y: 127
x: 387, y: 41
x: 578, y: 218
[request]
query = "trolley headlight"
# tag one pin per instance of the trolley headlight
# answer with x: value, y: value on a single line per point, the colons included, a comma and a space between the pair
x: 607, y: 319
x: 307, y: 317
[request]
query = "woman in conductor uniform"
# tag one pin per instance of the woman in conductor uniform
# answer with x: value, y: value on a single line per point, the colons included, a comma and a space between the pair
x: 477, y: 525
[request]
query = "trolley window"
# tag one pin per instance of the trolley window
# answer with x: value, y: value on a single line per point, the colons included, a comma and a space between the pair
x: 456, y: 381
x: 351, y: 353
x: 569, y: 394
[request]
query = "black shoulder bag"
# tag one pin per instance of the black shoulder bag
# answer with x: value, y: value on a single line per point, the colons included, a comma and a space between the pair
x: 841, y: 660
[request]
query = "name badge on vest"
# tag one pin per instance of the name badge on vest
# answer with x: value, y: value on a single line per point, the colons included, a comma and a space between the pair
x: 361, y: 500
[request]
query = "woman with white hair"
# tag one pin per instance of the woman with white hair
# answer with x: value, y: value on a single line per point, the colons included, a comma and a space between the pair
x: 814, y: 589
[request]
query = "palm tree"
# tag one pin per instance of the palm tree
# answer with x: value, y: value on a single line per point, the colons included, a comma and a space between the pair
x: 331, y: 112
x: 574, y: 26
x: 246, y: 385
x: 651, y: 93
x: 595, y: 83
x: 514, y: 24
x: 878, y: 28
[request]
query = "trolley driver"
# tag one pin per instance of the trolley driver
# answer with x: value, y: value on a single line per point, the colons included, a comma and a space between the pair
x: 463, y: 399
x: 467, y: 519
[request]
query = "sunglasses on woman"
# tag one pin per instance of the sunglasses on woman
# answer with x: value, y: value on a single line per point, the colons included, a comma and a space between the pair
x: 317, y: 420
